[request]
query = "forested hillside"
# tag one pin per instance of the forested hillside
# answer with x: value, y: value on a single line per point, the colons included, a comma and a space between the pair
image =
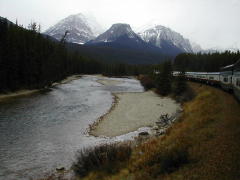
x: 29, y: 60
x: 116, y: 53
x: 205, y: 62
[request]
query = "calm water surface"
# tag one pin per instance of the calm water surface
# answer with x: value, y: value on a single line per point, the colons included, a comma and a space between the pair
x: 43, y: 131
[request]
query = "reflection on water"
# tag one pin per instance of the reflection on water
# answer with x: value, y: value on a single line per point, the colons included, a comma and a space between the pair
x: 43, y: 131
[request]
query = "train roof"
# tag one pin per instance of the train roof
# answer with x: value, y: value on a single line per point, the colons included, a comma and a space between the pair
x: 202, y: 73
x: 229, y: 67
x: 214, y: 73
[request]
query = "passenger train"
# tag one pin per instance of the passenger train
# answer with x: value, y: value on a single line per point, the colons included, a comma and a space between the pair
x: 228, y: 78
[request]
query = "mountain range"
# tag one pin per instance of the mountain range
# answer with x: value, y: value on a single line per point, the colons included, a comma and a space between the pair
x: 151, y: 40
x: 83, y: 28
x: 122, y: 36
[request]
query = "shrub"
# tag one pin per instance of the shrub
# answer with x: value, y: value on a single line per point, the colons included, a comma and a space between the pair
x: 180, y: 84
x: 106, y: 158
x: 185, y: 96
x: 164, y: 79
x: 147, y: 82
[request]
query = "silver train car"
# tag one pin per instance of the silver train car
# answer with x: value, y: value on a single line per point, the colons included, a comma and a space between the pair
x: 226, y: 74
x: 236, y: 80
x: 228, y: 78
x: 212, y: 78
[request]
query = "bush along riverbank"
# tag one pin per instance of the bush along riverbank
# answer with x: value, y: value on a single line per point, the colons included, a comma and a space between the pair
x: 202, y: 144
x: 164, y: 83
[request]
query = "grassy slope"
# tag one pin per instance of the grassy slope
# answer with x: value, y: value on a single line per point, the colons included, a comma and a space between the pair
x: 204, y: 144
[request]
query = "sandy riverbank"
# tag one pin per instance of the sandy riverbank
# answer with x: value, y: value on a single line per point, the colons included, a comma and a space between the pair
x: 26, y: 92
x: 109, y: 82
x: 132, y: 111
x: 17, y: 94
x: 67, y: 80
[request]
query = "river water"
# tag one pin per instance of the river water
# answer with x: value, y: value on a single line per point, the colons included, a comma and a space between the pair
x: 43, y: 131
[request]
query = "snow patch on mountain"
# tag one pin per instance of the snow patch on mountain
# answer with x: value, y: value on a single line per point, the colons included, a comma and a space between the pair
x: 81, y: 29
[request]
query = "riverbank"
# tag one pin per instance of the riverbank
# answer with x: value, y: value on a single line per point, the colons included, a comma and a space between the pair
x: 132, y: 111
x: 20, y: 93
x: 67, y: 80
x: 26, y: 92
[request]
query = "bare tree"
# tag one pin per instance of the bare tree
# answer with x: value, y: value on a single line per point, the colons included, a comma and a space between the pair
x: 39, y: 28
x: 63, y: 40
x: 33, y: 26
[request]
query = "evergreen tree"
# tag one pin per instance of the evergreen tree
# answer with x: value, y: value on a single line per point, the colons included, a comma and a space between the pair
x: 180, y: 84
x: 164, y: 79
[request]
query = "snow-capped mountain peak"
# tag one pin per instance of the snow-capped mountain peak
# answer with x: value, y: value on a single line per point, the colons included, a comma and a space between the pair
x: 81, y: 29
x: 92, y: 23
x: 115, y: 32
x: 160, y: 35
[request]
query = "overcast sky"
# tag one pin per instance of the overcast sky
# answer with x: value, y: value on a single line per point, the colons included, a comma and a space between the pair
x: 210, y: 23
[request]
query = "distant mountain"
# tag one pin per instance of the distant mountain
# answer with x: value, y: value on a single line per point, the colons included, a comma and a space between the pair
x: 122, y: 36
x: 169, y: 41
x: 116, y: 31
x: 2, y: 18
x: 81, y: 29
x: 5, y: 19
x: 196, y: 48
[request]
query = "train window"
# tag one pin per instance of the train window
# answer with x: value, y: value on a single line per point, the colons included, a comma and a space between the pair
x: 225, y: 79
x: 211, y: 78
x: 238, y: 82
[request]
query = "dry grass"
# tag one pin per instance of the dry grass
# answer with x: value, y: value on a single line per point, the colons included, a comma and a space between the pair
x: 104, y: 158
x: 204, y: 144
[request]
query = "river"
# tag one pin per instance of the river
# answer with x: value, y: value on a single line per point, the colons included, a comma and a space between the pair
x: 43, y: 131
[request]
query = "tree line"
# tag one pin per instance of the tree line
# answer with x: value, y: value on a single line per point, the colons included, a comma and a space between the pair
x: 210, y: 62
